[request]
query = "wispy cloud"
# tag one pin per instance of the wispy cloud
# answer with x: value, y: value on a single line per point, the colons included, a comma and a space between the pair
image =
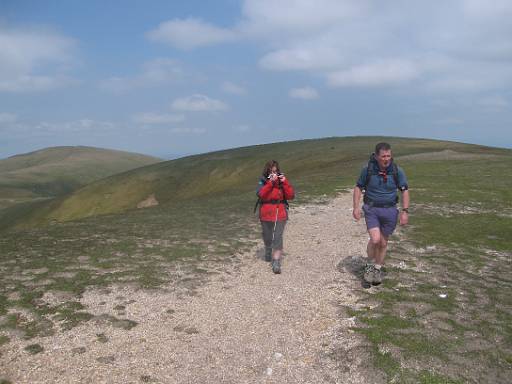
x: 34, y: 60
x: 306, y: 93
x: 151, y: 118
x: 198, y: 103
x: 233, y: 88
x: 494, y: 103
x: 7, y: 117
x: 186, y: 130
x: 384, y: 72
x: 301, y: 59
x: 155, y: 73
x: 450, y: 121
x: 190, y: 33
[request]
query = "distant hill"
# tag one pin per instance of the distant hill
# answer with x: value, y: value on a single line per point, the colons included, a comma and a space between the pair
x: 313, y: 165
x: 59, y: 170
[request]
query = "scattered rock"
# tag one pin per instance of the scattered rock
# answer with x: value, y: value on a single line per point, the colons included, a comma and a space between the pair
x: 78, y: 350
x: 124, y: 324
x: 34, y: 349
x: 278, y: 356
x: 102, y: 338
x: 106, y: 359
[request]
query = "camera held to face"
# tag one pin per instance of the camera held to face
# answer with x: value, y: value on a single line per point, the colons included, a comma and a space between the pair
x: 276, y: 175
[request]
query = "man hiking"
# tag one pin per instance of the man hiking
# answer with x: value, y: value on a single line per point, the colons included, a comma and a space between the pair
x: 379, y: 182
x: 273, y: 192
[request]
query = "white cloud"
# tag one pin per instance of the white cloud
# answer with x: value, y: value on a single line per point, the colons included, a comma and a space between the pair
x: 151, y: 118
x: 34, y: 60
x: 347, y: 41
x: 7, y: 118
x: 157, y: 72
x: 383, y: 72
x: 296, y: 17
x: 306, y: 93
x: 190, y: 33
x: 305, y: 58
x: 233, y: 88
x: 197, y: 102
x: 63, y: 129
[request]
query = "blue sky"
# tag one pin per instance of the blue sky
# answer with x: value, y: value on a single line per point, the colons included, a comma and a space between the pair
x: 173, y: 78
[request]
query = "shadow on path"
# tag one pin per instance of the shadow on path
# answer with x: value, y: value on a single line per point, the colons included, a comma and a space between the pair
x: 355, y: 265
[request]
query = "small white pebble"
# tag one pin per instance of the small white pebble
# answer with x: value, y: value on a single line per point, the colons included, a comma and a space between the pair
x: 269, y: 371
x: 278, y: 356
x: 443, y: 295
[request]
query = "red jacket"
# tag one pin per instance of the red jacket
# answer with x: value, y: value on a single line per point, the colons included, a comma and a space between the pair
x: 276, y: 192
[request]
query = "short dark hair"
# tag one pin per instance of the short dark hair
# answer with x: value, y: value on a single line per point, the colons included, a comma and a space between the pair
x: 382, y: 147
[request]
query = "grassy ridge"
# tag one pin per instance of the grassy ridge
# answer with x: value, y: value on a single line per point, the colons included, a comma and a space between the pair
x: 315, y: 165
x: 60, y: 170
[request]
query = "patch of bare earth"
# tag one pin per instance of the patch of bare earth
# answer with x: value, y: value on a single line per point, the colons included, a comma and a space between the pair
x: 245, y: 325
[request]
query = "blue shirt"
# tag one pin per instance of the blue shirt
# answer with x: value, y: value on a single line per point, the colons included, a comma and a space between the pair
x: 377, y: 190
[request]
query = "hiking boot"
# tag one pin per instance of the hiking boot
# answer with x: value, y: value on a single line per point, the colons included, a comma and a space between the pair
x: 268, y: 254
x: 370, y: 273
x: 378, y: 275
x: 276, y: 266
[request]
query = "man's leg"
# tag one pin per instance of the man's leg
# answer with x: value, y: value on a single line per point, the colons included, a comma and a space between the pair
x: 381, y: 250
x: 373, y: 247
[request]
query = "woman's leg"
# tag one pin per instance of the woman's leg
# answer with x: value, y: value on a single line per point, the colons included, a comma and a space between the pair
x: 267, y: 228
x: 277, y: 245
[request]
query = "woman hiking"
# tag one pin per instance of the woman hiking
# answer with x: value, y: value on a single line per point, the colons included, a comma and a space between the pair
x: 273, y: 192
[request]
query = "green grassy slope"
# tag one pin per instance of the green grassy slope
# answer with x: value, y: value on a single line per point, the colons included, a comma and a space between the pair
x: 314, y: 165
x: 59, y: 170
x: 458, y: 245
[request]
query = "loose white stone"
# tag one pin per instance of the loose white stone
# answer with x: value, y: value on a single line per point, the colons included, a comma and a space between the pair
x: 443, y: 295
x: 269, y: 371
x: 278, y: 356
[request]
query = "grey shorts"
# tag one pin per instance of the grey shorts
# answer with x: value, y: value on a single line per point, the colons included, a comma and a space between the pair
x: 268, y: 230
x: 383, y: 218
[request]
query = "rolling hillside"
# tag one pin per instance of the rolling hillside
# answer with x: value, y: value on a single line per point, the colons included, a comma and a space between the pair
x: 442, y: 315
x: 59, y: 170
x: 315, y: 166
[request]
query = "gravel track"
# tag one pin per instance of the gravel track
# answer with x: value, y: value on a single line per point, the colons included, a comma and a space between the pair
x: 245, y: 325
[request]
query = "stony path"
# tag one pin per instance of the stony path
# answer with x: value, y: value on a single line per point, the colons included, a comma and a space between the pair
x: 246, y: 325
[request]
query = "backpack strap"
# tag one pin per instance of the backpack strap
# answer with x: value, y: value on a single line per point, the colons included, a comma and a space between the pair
x: 395, y: 174
x: 261, y: 182
x: 370, y: 172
